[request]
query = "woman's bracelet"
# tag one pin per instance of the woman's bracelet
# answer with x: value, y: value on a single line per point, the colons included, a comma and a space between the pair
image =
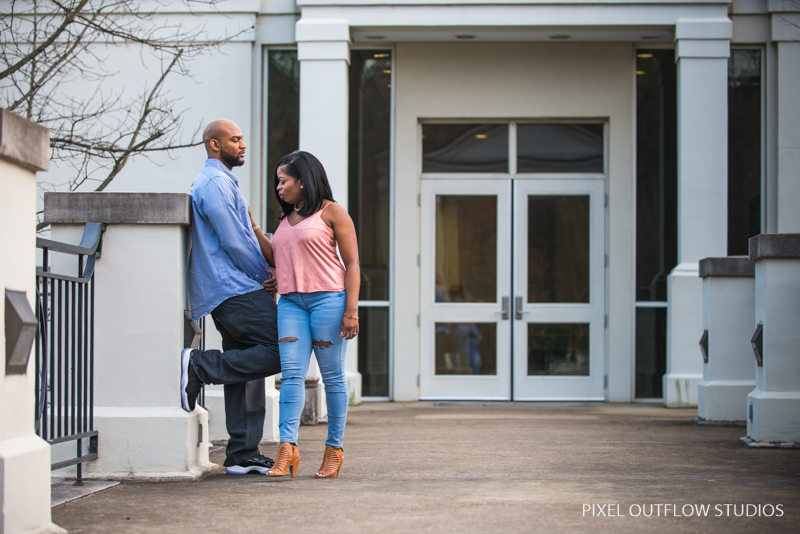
x: 257, y: 227
x: 350, y: 316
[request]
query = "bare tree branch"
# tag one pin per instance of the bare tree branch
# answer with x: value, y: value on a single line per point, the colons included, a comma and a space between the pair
x: 69, y: 18
x: 119, y: 164
x: 50, y: 47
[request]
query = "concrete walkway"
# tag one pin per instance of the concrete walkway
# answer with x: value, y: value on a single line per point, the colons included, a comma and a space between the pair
x: 462, y: 468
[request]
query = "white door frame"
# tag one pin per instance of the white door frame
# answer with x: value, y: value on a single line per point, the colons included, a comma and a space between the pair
x: 561, y: 388
x: 464, y: 387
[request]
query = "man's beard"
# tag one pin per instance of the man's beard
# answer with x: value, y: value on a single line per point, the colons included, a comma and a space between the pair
x: 231, y: 160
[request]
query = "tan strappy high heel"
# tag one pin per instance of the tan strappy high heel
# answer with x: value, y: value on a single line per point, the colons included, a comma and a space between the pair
x: 331, y: 463
x: 286, y: 461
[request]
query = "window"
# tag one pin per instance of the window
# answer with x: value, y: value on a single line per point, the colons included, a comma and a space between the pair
x: 465, y: 148
x: 370, y: 208
x: 656, y: 212
x: 542, y: 148
x: 744, y: 149
x: 560, y: 148
x: 283, y: 121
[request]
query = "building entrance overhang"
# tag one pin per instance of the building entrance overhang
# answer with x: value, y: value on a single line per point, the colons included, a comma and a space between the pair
x: 439, y: 21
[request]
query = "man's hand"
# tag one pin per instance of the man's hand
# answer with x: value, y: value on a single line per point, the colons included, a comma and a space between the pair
x: 271, y: 285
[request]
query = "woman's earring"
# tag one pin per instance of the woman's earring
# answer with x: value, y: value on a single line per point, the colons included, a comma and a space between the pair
x: 301, y: 186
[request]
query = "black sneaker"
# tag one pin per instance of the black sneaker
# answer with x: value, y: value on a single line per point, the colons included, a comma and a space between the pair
x: 257, y: 464
x: 191, y: 385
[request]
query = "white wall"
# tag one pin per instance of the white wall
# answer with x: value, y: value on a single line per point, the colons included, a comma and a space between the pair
x: 219, y: 87
x: 520, y: 80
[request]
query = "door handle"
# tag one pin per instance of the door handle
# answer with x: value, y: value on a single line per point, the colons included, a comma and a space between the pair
x: 503, y: 313
x: 518, y: 313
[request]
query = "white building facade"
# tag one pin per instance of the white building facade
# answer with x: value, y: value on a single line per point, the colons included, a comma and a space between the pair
x: 533, y: 183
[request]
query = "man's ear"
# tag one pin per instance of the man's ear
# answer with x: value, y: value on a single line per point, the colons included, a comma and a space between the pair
x: 214, y: 144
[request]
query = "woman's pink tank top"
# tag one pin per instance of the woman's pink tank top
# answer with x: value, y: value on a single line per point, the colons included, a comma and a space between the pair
x: 305, y: 257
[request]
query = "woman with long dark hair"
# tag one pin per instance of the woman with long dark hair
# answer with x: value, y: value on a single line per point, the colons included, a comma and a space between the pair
x: 318, y: 309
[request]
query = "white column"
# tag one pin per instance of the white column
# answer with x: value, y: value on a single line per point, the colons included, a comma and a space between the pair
x: 140, y: 298
x: 785, y: 21
x: 728, y: 317
x: 774, y: 405
x: 24, y: 456
x: 323, y: 48
x: 702, y: 48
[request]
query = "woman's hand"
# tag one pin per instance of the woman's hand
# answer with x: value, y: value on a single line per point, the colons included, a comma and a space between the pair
x: 349, y: 327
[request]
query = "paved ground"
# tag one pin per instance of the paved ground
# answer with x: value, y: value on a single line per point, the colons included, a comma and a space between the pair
x: 465, y: 468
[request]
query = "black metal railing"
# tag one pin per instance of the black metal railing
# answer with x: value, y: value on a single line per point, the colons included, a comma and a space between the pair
x: 65, y: 348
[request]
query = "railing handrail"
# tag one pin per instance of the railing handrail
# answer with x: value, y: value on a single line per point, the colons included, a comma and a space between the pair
x: 90, y: 246
x: 90, y: 242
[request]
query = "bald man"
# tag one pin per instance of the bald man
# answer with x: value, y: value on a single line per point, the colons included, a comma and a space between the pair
x: 230, y: 280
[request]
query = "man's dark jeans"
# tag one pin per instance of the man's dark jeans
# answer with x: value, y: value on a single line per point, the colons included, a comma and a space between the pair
x: 249, y: 329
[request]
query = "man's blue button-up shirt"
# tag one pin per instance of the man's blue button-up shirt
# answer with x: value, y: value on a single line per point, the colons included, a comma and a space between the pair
x: 226, y: 259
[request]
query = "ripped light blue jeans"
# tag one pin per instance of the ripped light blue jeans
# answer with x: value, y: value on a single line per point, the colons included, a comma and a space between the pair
x: 303, y: 319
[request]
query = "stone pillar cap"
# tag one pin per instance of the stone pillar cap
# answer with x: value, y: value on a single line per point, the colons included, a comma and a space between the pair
x: 24, y: 142
x: 773, y: 246
x: 117, y: 208
x: 727, y: 266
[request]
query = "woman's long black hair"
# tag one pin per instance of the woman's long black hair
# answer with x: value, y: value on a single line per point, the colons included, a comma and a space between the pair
x: 305, y: 167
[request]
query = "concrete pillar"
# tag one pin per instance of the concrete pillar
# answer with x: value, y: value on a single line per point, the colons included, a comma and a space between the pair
x: 702, y: 47
x: 24, y: 456
x: 785, y: 29
x: 323, y: 48
x: 140, y: 299
x: 728, y: 316
x: 774, y: 405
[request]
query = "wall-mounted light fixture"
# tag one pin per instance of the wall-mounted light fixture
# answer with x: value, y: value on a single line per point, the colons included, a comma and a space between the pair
x: 704, y: 345
x: 757, y: 342
x: 20, y: 332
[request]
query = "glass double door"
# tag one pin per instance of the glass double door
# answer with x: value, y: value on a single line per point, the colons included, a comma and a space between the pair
x: 512, y: 289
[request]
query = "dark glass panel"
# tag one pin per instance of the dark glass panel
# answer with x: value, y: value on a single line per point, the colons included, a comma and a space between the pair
x: 369, y: 191
x: 559, y: 148
x: 466, y: 248
x: 558, y: 248
x: 466, y: 348
x: 744, y: 149
x: 373, y: 351
x: 283, y: 120
x: 651, y: 351
x: 558, y: 349
x: 465, y: 148
x: 656, y: 173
